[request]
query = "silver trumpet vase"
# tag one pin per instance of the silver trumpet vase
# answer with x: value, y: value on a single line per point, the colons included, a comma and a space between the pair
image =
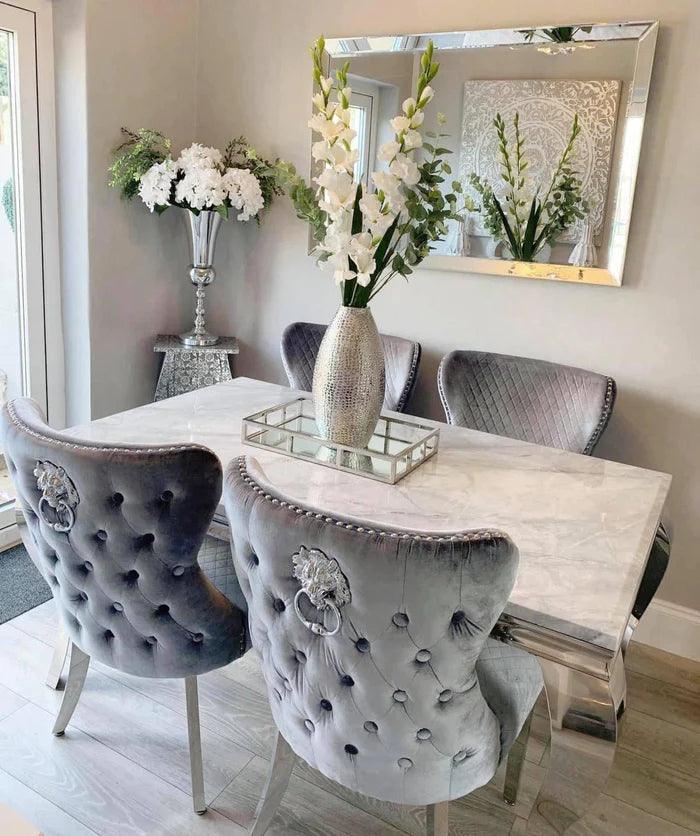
x: 204, y: 228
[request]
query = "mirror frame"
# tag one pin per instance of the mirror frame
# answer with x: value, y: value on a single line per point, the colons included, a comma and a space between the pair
x: 635, y: 108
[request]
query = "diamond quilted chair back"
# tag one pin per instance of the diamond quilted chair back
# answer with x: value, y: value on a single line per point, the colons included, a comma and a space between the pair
x: 115, y: 531
x: 369, y: 639
x: 531, y: 400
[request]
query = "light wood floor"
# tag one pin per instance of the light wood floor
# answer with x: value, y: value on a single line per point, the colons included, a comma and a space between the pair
x: 122, y: 766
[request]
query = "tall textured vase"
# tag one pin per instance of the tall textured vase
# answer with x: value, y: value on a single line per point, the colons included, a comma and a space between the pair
x: 203, y: 228
x: 348, y: 385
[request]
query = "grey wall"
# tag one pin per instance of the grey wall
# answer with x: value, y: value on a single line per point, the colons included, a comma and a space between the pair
x: 253, y: 77
x: 124, y: 271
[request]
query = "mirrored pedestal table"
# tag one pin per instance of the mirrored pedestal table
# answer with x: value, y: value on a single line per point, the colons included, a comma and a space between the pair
x: 187, y: 367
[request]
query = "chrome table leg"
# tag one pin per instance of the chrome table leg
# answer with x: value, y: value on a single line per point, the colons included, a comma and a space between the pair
x: 58, y: 660
x: 584, y: 711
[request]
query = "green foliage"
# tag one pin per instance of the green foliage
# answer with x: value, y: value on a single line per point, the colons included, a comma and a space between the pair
x: 526, y: 225
x: 134, y: 157
x: 4, y: 65
x: 557, y: 34
x: 303, y: 199
x: 8, y: 202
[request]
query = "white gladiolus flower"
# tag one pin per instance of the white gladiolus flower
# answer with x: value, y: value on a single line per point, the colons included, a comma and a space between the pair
x: 198, y: 155
x: 244, y: 192
x: 362, y: 253
x: 319, y: 150
x: 156, y: 183
x: 371, y: 208
x: 417, y: 119
x: 405, y: 169
x: 409, y: 106
x: 400, y: 124
x: 201, y: 188
x: 326, y: 127
x: 411, y: 140
x: 319, y: 102
x: 385, y: 182
x: 342, y: 158
x: 342, y: 274
x: 339, y: 191
x: 326, y: 84
x: 343, y: 115
x: 388, y: 150
x: 426, y: 95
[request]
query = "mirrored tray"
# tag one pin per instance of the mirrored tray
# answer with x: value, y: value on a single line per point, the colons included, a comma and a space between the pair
x: 397, y: 446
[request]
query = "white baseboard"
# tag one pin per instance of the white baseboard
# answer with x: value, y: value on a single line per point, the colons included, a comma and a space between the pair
x: 672, y: 628
x: 9, y: 537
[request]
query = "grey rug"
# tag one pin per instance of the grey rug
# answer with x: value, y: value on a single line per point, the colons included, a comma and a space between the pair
x: 21, y: 586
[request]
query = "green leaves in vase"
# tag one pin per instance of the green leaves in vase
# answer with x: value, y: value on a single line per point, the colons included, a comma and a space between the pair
x: 521, y: 220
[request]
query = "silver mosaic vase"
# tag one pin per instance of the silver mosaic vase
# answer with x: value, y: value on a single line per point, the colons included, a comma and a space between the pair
x: 203, y: 228
x: 348, y: 386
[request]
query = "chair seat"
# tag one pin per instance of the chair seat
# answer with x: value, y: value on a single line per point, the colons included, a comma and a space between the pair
x: 217, y: 564
x: 510, y: 681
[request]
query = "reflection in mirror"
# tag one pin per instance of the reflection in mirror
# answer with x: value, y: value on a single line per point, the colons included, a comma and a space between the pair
x: 545, y: 128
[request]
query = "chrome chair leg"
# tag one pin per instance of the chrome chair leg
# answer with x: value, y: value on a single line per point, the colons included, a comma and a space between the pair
x: 437, y: 819
x: 195, y: 740
x: 514, y: 764
x: 77, y: 671
x: 283, y: 760
x: 58, y: 660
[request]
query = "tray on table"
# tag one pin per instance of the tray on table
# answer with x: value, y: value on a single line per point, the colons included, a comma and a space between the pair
x: 397, y: 447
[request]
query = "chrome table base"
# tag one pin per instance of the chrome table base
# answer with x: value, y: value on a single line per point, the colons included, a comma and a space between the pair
x: 586, y: 688
x: 189, y: 367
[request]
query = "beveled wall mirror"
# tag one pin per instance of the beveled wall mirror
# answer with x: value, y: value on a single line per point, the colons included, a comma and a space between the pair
x: 584, y: 86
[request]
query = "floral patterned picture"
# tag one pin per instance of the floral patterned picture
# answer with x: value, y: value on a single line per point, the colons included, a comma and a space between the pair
x: 546, y: 109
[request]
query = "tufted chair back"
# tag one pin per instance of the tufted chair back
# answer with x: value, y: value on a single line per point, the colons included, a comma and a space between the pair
x: 531, y: 400
x: 115, y: 531
x: 389, y: 705
x: 300, y: 345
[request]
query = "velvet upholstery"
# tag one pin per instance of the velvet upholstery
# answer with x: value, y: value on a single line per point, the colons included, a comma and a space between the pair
x: 300, y: 345
x: 531, y: 400
x: 411, y: 701
x: 543, y: 403
x: 125, y: 577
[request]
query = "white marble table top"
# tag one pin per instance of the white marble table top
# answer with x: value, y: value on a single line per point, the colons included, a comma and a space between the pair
x: 584, y: 526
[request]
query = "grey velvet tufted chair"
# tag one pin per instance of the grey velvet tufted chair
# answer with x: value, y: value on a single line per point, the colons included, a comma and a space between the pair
x: 375, y: 649
x: 115, y: 531
x: 544, y: 403
x: 300, y: 345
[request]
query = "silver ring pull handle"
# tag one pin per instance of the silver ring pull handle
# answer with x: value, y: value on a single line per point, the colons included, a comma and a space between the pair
x: 58, y: 493
x: 315, y: 627
x: 323, y: 583
x: 64, y: 516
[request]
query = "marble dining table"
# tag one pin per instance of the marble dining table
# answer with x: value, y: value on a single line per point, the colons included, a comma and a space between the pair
x: 583, y: 526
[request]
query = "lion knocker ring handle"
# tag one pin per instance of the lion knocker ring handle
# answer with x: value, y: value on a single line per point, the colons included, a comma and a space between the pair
x: 324, y: 585
x: 58, y: 493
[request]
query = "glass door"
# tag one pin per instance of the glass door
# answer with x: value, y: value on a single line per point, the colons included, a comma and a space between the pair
x: 22, y: 336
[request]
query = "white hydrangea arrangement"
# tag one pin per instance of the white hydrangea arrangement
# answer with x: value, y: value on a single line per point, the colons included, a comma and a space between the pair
x: 200, y: 178
x: 366, y: 239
